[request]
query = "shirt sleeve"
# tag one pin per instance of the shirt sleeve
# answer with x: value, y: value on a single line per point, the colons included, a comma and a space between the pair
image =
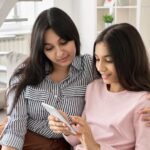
x: 78, y: 146
x: 74, y: 141
x: 16, y: 127
x: 142, y: 132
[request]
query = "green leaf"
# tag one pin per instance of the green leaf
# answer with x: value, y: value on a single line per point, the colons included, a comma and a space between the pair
x: 108, y: 18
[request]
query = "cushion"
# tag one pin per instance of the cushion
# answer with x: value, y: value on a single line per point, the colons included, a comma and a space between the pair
x: 13, y: 60
x: 2, y: 98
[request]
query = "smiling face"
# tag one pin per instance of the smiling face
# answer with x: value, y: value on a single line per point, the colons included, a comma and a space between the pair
x: 59, y: 51
x: 105, y: 65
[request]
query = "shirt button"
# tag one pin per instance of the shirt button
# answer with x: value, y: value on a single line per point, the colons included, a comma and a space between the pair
x: 55, y: 96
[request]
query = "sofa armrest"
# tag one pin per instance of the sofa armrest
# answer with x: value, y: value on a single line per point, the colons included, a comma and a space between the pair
x: 2, y: 98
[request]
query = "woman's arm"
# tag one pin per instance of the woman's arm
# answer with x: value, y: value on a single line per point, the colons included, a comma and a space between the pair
x: 16, y: 127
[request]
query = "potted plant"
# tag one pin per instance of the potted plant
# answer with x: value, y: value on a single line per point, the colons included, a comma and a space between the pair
x: 108, y: 19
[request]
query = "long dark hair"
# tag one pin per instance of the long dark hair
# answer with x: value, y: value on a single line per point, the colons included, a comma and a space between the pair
x: 34, y: 69
x: 129, y: 56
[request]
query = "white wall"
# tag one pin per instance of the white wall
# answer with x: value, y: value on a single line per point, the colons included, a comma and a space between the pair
x: 65, y: 5
x: 145, y: 23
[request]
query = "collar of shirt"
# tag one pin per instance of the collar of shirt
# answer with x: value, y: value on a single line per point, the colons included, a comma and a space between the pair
x: 77, y: 63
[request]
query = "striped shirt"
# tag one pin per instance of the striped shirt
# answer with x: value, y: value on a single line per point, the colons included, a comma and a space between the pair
x: 67, y: 95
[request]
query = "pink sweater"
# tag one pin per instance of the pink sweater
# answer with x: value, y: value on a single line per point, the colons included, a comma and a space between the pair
x: 114, y: 119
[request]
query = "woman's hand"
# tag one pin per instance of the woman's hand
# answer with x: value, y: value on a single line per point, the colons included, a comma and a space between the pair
x: 57, y: 126
x: 146, y: 113
x: 84, y: 134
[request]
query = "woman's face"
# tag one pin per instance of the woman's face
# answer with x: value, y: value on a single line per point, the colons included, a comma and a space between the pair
x: 105, y: 65
x: 60, y: 52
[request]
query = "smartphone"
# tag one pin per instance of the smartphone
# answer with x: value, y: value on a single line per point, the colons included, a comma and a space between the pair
x: 53, y: 111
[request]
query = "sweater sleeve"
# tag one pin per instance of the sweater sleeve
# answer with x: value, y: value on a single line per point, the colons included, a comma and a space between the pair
x: 78, y: 146
x: 71, y: 139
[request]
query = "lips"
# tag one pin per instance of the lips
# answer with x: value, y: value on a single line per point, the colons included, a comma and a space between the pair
x: 104, y: 76
x: 63, y: 59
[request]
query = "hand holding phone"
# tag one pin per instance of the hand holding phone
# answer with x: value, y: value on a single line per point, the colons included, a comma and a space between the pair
x: 53, y: 111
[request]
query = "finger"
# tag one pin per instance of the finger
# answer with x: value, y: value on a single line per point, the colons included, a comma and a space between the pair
x: 145, y: 118
x: 51, y: 117
x: 147, y: 124
x: 60, y: 129
x: 58, y: 132
x: 78, y: 120
x: 145, y: 110
x: 66, y: 116
x: 57, y: 124
x: 148, y: 96
x: 62, y: 113
x: 56, y: 128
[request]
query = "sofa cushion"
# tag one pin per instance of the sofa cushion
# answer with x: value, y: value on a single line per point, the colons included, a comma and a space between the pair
x: 2, y: 98
x: 13, y: 60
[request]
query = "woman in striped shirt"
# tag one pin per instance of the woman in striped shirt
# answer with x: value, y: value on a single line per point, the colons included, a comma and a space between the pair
x: 54, y: 73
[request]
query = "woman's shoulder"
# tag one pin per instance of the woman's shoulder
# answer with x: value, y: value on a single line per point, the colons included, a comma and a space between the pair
x: 136, y: 99
x: 82, y: 60
x: 86, y: 58
x: 141, y: 101
x: 86, y: 62
x: 141, y: 97
x: 96, y: 83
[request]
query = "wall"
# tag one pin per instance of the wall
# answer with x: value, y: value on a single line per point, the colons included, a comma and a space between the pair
x: 145, y: 23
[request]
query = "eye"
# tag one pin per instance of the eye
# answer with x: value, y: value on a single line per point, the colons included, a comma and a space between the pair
x: 109, y: 59
x: 63, y: 42
x: 48, y: 47
x: 97, y: 59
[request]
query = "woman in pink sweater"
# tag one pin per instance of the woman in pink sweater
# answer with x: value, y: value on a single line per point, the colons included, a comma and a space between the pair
x: 111, y: 118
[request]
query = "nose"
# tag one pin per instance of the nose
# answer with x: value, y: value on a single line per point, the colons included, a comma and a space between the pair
x: 101, y: 67
x: 59, y: 52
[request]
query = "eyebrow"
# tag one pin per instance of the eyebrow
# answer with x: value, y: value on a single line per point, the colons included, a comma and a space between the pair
x: 105, y: 55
